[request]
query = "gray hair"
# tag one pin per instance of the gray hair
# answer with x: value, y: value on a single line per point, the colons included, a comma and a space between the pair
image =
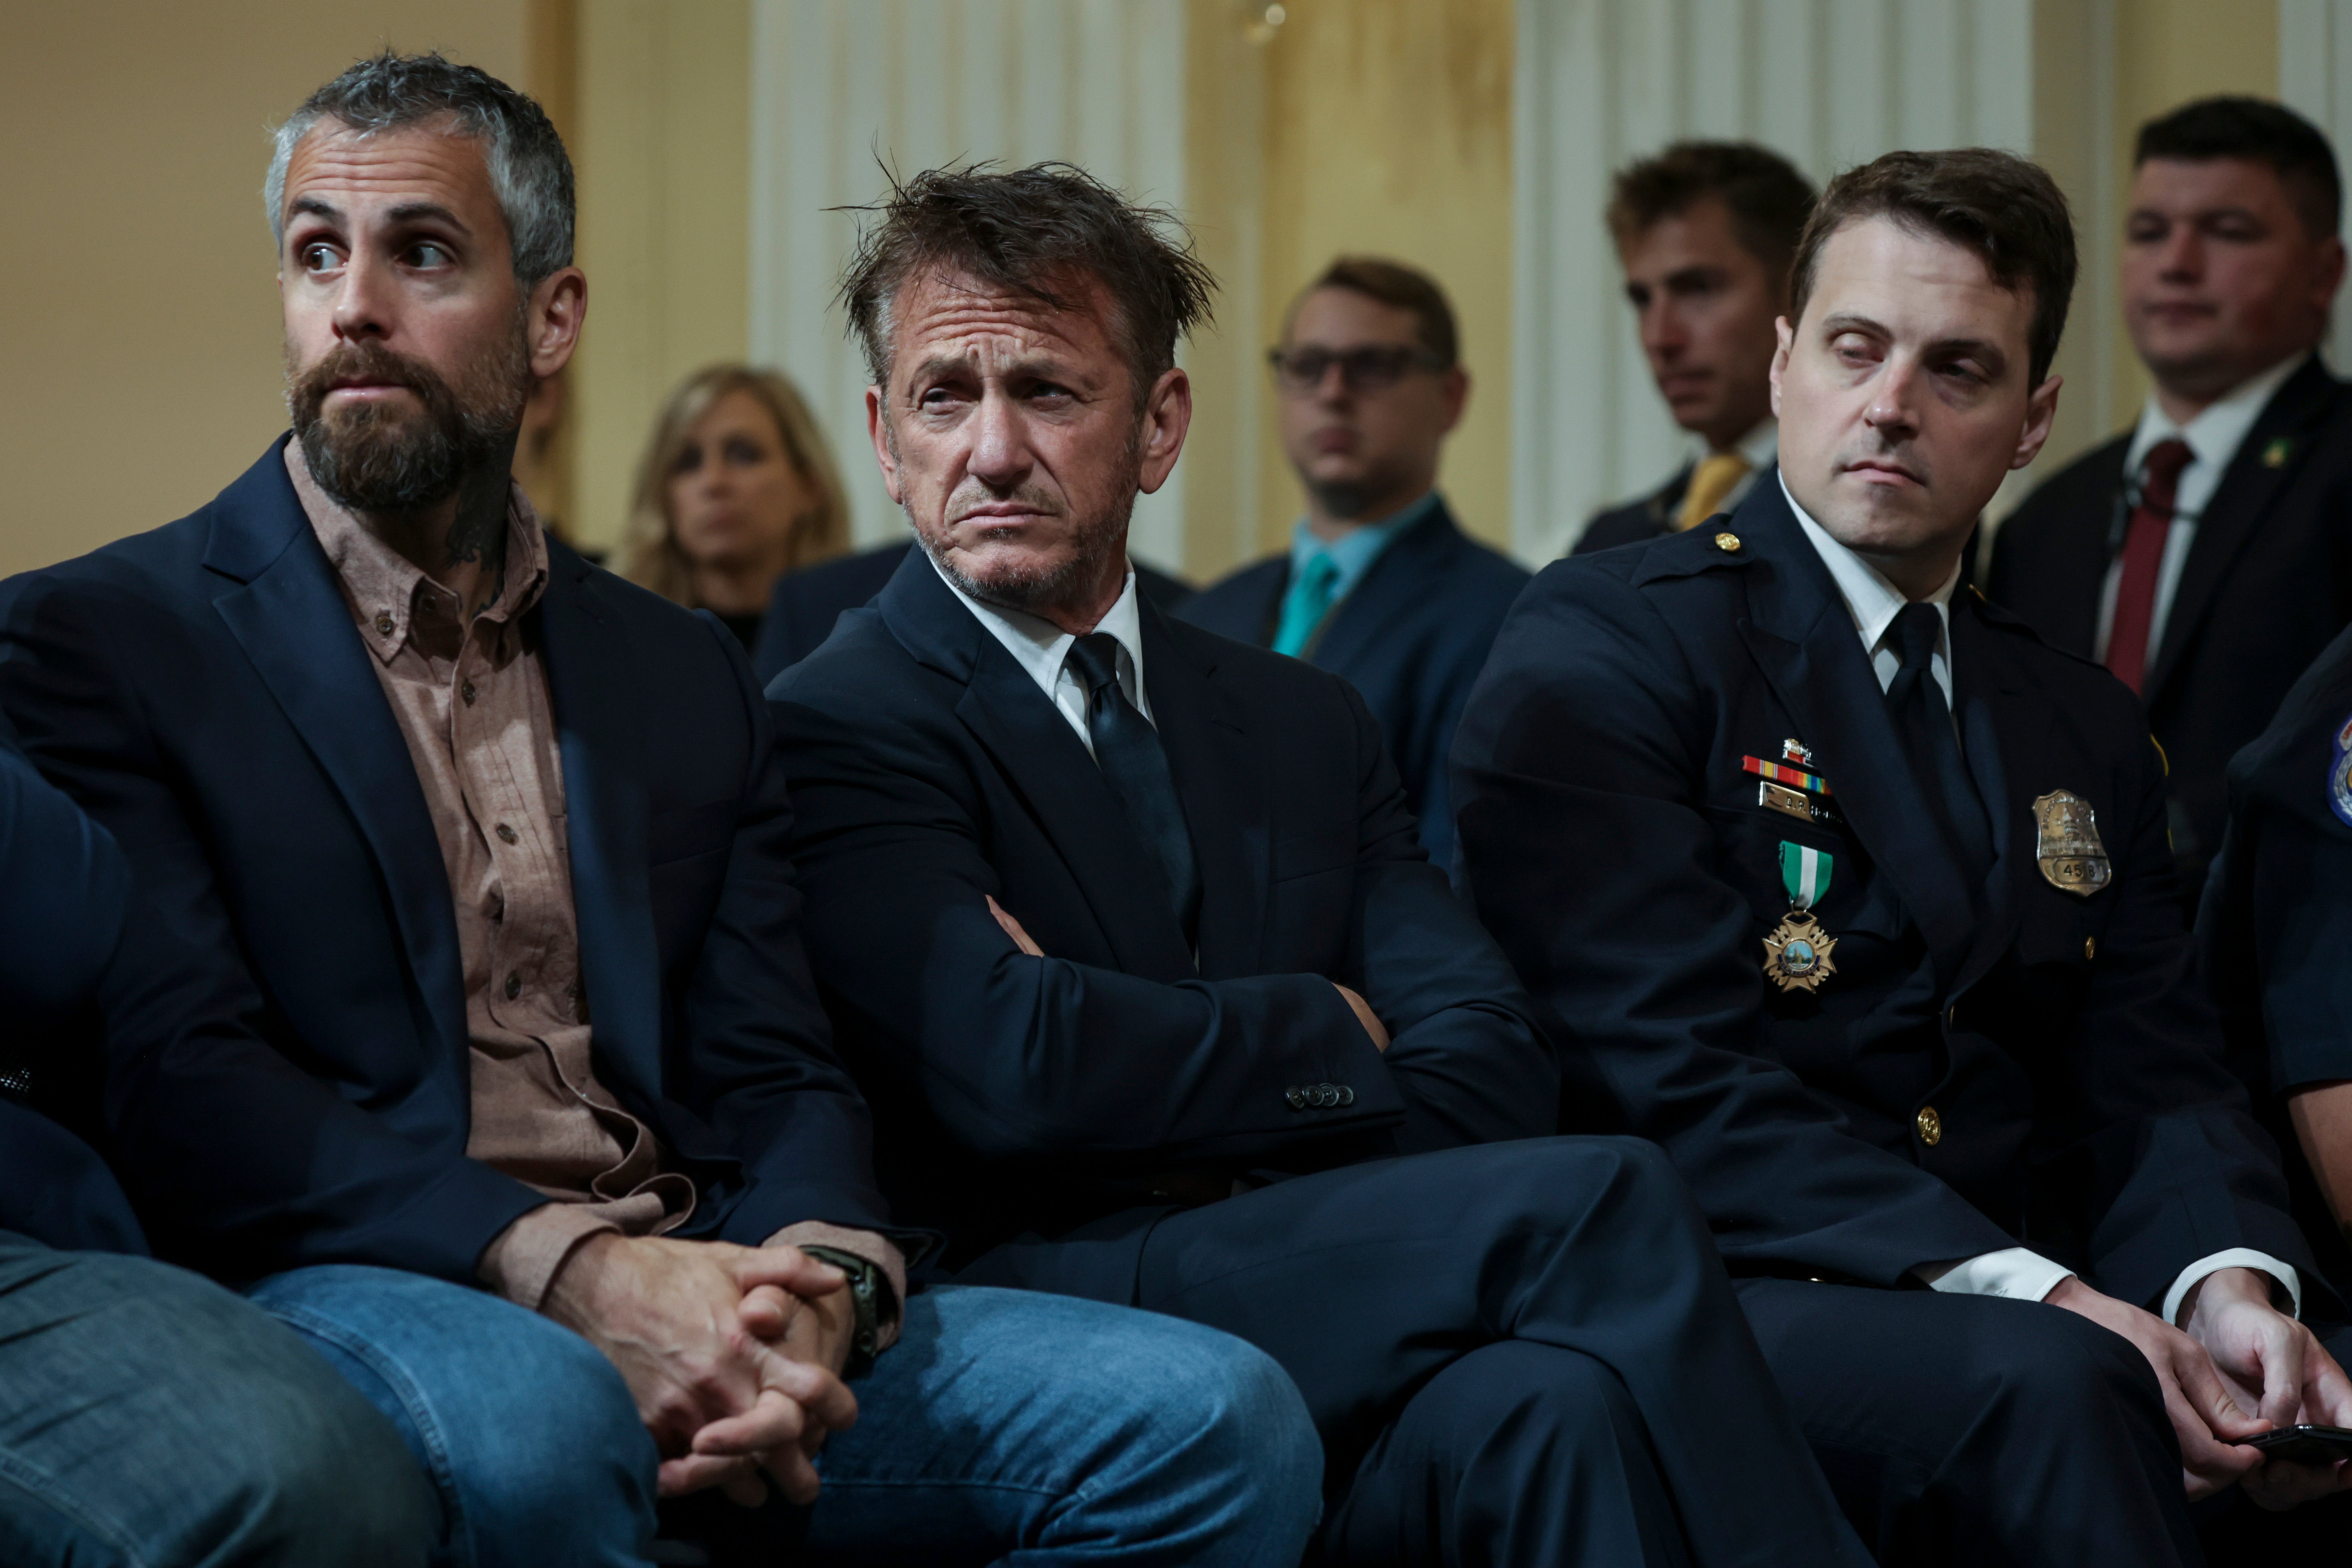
x: 528, y: 168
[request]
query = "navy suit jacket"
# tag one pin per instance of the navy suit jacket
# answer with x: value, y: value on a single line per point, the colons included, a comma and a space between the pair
x: 2267, y: 584
x: 2276, y: 922
x: 1614, y: 843
x: 806, y: 603
x: 63, y: 887
x: 1020, y: 1097
x: 285, y: 1025
x: 1411, y: 637
x: 1636, y: 520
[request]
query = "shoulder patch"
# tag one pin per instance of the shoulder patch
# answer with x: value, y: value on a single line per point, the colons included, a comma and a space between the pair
x: 2339, y: 775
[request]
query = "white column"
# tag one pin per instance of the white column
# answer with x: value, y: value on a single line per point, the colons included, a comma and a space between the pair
x: 837, y: 85
x: 1827, y: 83
x: 2315, y: 81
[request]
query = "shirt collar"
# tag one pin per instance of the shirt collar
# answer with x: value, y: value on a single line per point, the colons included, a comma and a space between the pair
x: 1039, y: 645
x: 1870, y: 598
x: 2215, y: 434
x: 1354, y: 551
x: 383, y: 587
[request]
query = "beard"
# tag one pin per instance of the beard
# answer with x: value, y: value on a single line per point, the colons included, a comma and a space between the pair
x: 374, y: 458
x: 1025, y: 582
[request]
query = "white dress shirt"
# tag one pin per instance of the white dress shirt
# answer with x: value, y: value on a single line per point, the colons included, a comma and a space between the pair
x: 2016, y: 1272
x: 1042, y: 650
x: 2213, y: 438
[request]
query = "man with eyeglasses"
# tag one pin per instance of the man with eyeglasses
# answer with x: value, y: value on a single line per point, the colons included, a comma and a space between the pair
x: 1380, y: 586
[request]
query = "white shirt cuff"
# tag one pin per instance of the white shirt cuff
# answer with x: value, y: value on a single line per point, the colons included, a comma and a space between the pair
x: 2017, y: 1273
x: 2235, y: 1258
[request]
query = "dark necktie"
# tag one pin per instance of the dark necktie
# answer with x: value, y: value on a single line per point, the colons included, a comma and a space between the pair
x: 1128, y: 749
x: 1924, y: 721
x: 2151, y: 527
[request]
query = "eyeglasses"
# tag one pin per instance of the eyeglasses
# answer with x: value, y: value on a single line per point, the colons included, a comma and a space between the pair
x: 1375, y: 368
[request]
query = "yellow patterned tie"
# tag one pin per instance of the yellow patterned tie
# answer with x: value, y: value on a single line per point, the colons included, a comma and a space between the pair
x: 1712, y: 480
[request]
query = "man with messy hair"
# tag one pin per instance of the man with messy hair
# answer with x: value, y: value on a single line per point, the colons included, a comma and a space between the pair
x: 462, y: 1017
x: 1125, y: 929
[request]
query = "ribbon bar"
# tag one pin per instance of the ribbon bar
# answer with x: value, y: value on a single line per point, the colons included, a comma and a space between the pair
x: 1781, y: 773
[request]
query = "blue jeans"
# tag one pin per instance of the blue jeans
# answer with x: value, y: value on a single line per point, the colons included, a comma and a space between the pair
x: 1004, y: 1427
x: 150, y: 1417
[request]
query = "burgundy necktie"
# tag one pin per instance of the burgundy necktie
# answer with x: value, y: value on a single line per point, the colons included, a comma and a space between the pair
x: 2151, y: 525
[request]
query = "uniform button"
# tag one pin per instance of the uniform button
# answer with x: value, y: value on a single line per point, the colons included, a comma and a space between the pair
x: 514, y: 989
x: 1951, y: 1016
x: 1295, y: 1096
x: 383, y: 622
x: 1931, y: 1126
x: 1727, y: 542
x: 2090, y: 948
x: 468, y: 692
x: 506, y: 834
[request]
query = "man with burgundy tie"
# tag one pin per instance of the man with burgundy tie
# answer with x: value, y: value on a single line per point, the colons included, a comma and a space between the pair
x: 1856, y: 894
x: 2206, y: 555
x: 1123, y: 926
x: 1704, y: 230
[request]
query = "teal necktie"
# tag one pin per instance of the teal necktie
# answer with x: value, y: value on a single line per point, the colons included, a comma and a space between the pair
x: 1306, y: 605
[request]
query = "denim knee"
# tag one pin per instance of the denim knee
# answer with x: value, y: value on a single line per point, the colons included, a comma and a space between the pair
x: 1230, y: 1409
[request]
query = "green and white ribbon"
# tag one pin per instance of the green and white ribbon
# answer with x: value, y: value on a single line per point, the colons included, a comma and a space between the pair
x: 1805, y: 873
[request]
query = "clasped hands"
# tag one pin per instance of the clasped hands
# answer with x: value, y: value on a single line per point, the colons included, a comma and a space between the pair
x: 732, y: 1353
x: 2237, y: 1367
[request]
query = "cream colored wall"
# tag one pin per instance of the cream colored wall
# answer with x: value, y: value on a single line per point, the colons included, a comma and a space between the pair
x: 1387, y: 128
x: 663, y: 145
x: 139, y: 328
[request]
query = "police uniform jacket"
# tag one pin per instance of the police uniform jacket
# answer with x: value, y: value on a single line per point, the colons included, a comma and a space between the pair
x: 1987, y: 1068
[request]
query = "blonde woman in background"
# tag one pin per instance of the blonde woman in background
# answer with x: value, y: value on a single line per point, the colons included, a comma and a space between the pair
x: 736, y: 489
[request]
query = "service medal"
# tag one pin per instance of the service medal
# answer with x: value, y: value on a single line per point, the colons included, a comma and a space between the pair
x: 2339, y: 777
x: 1797, y: 951
x: 2066, y: 844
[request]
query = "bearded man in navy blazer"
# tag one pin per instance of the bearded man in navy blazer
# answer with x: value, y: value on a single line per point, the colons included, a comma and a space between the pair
x: 1859, y: 895
x: 461, y: 1015
x: 1124, y: 927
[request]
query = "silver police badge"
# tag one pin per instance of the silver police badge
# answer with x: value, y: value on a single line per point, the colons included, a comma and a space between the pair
x: 2067, y: 843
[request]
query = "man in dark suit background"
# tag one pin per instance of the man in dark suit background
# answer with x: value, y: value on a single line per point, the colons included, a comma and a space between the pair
x: 461, y: 1015
x: 1705, y: 231
x: 806, y: 603
x: 149, y: 1416
x: 1859, y: 895
x: 2205, y: 556
x: 1380, y: 585
x: 1124, y: 927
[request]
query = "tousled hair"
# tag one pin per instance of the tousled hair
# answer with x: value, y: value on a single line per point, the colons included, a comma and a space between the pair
x: 1400, y: 286
x: 2260, y: 132
x: 1769, y: 200
x: 1041, y: 233
x: 528, y: 169
x: 2007, y: 211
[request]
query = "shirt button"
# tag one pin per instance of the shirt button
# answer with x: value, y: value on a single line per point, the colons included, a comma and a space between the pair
x: 383, y: 622
x: 1931, y: 1126
x: 468, y: 692
x: 514, y: 989
x: 506, y: 834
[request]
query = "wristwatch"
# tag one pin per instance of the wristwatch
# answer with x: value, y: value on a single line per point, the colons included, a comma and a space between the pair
x: 870, y: 1297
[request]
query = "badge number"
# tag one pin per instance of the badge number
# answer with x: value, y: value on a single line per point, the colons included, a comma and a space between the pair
x: 2066, y: 844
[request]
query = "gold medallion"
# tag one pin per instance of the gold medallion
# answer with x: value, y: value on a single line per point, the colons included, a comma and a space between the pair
x: 1796, y: 952
x: 2066, y: 844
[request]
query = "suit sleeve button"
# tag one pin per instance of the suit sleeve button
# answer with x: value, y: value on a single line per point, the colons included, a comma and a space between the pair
x: 1295, y: 1096
x: 1346, y: 1095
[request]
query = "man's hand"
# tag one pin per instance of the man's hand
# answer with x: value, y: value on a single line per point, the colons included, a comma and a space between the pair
x: 1366, y: 1016
x: 1021, y: 939
x: 813, y: 1329
x: 717, y: 1399
x: 2274, y: 1369
x: 2205, y: 1416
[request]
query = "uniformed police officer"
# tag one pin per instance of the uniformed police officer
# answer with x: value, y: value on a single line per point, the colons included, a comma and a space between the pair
x: 1858, y: 896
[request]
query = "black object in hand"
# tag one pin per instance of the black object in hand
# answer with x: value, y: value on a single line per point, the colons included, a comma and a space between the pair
x: 2304, y: 1445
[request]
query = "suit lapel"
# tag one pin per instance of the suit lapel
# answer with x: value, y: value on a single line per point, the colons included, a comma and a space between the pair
x: 288, y: 614
x: 2004, y: 723
x: 2239, y: 504
x: 1398, y: 580
x: 595, y: 687
x: 1037, y: 751
x: 1802, y: 639
x: 1221, y: 778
